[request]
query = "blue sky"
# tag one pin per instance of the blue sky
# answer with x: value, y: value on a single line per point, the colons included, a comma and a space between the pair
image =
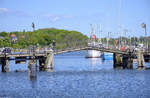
x: 17, y: 15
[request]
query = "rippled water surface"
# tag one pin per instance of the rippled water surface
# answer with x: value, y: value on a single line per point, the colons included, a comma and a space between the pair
x: 76, y: 77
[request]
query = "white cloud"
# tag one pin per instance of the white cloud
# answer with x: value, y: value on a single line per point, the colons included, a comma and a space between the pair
x: 8, y: 12
x: 54, y: 17
x: 4, y: 10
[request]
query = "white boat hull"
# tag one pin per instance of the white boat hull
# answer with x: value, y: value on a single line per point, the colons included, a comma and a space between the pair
x: 93, y: 54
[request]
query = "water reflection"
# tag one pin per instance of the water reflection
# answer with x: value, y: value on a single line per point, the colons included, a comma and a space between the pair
x: 32, y: 72
x: 99, y: 63
x: 73, y: 78
x: 95, y: 61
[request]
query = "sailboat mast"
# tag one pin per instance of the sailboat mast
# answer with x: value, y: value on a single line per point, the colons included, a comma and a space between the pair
x: 92, y: 30
x: 119, y: 24
x: 100, y: 32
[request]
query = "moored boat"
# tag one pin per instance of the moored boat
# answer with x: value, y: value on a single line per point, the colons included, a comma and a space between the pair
x: 93, y: 43
x: 107, y: 56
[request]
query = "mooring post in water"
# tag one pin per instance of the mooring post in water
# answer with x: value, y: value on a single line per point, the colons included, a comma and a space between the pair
x: 32, y: 70
x: 130, y: 60
x: 130, y: 63
x: 31, y: 62
x: 5, y: 64
x: 117, y: 61
x: 127, y: 61
x: 47, y: 63
x: 114, y: 59
x: 122, y: 61
x: 141, y: 62
x: 42, y: 61
x: 49, y: 66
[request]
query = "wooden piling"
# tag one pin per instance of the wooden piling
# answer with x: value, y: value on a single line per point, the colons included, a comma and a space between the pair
x: 123, y: 61
x: 141, y: 62
x: 5, y: 64
x: 49, y: 66
x: 130, y: 63
x: 32, y: 68
x: 47, y: 63
x: 42, y: 61
x: 127, y: 61
x: 118, y: 61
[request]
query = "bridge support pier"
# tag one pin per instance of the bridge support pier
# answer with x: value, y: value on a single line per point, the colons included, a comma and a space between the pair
x: 127, y: 61
x: 32, y: 69
x: 5, y: 64
x: 50, y: 62
x: 141, y: 62
x: 47, y: 63
x: 42, y: 62
x: 117, y: 61
x: 123, y: 61
x: 31, y: 62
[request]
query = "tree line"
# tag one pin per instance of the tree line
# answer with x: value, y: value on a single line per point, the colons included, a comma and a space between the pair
x: 43, y: 38
x: 63, y: 38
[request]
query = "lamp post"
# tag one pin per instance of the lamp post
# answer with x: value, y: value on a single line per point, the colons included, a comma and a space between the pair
x: 33, y: 26
x: 33, y: 47
x: 144, y: 26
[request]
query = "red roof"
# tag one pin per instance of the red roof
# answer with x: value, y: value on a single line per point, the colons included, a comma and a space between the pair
x: 13, y: 35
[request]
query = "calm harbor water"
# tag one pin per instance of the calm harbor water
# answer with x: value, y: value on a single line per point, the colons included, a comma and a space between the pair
x: 75, y: 77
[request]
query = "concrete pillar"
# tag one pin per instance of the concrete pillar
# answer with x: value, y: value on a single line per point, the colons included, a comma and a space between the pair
x: 141, y: 62
x: 5, y: 64
x: 130, y: 63
x: 31, y: 62
x: 123, y: 61
x: 32, y: 71
x: 47, y: 63
x: 127, y: 61
x: 42, y: 61
x: 49, y: 66
x: 118, y: 61
x: 114, y: 59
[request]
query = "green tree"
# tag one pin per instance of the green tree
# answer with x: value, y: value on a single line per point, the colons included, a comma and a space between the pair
x: 4, y: 34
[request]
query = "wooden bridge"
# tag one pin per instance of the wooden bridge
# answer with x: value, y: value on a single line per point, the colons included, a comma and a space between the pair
x: 123, y: 59
x: 45, y: 58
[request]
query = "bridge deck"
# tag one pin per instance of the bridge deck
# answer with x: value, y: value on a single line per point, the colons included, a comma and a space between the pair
x: 44, y: 53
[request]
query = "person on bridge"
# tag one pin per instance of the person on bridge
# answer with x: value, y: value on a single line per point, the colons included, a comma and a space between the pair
x: 54, y: 43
